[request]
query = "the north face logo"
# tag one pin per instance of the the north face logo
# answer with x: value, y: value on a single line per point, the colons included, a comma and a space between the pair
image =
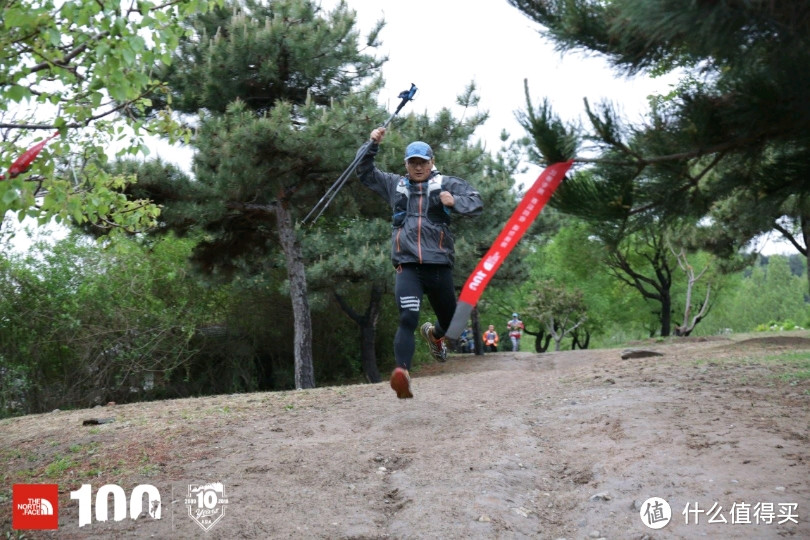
x: 35, y: 506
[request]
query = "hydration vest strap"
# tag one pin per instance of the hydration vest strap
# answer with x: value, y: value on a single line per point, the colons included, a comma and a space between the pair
x: 434, y: 184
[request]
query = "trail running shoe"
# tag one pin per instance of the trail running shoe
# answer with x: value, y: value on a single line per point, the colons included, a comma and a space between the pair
x: 437, y: 347
x: 401, y: 383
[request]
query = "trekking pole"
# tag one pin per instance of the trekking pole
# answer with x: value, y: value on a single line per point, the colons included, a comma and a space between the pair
x: 405, y: 96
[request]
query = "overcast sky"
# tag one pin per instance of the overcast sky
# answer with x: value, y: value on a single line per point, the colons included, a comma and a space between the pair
x: 442, y: 45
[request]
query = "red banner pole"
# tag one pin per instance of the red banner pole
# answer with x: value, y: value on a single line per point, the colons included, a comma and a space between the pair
x: 524, y: 215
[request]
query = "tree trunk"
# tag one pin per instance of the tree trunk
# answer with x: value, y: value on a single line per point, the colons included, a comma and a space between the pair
x: 691, y: 278
x: 368, y: 356
x: 805, y: 222
x: 302, y: 335
x: 657, y: 288
x: 543, y: 341
x: 577, y: 343
x: 540, y: 338
x: 368, y: 333
x: 368, y: 330
x: 555, y: 332
x: 558, y: 330
x: 666, y: 313
x: 476, y: 328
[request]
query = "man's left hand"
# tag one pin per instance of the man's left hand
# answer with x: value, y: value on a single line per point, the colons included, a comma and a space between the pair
x: 447, y: 198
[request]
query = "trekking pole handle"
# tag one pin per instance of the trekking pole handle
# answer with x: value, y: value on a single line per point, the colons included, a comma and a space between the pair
x: 406, y: 96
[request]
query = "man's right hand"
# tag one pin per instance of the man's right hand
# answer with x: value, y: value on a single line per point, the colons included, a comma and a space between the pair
x: 377, y: 135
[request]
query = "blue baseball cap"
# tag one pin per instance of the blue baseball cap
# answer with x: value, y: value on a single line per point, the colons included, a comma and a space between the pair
x: 418, y: 149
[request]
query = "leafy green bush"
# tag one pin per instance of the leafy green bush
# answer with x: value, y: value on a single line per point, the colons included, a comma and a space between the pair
x: 777, y: 326
x: 83, y: 325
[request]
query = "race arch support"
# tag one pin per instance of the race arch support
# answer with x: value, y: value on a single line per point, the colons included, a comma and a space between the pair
x: 524, y: 215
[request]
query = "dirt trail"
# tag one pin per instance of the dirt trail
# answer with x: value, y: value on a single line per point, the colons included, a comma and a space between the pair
x: 509, y: 445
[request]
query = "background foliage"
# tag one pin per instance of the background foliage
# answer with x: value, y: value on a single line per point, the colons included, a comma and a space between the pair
x: 214, y: 287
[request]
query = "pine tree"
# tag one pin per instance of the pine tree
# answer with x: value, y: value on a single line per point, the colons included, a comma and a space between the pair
x: 273, y: 84
x: 282, y: 112
x: 731, y: 141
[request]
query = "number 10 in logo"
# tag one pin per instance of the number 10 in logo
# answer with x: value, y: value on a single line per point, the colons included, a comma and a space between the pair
x: 206, y: 504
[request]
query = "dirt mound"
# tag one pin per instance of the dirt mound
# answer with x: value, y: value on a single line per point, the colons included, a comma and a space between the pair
x: 676, y: 340
x: 791, y: 342
x: 567, y: 444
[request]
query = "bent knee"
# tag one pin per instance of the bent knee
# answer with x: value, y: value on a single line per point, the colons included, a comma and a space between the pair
x: 408, y: 319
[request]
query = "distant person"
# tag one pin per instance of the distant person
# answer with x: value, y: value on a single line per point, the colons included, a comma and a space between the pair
x: 515, y: 328
x: 467, y: 340
x: 490, y: 339
x: 422, y: 246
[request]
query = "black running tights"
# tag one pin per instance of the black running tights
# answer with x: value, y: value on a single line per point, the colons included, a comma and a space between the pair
x: 413, y: 281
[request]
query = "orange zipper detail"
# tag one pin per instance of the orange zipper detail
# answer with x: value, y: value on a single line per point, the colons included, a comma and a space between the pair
x: 419, y: 227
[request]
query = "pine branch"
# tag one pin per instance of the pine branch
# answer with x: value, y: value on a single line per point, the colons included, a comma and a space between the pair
x: 790, y: 238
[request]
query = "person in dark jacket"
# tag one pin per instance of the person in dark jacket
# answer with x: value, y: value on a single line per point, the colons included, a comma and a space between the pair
x: 422, y: 252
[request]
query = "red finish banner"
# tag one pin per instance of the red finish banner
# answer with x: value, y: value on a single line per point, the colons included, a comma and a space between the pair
x: 520, y: 221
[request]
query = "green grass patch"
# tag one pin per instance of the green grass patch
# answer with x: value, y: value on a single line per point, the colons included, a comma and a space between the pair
x: 15, y: 453
x: 796, y: 364
x: 87, y: 448
x: 59, y: 466
x: 149, y: 469
x: 92, y: 473
x: 15, y: 535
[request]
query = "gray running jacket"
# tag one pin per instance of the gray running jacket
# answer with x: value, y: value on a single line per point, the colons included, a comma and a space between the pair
x: 421, y: 223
